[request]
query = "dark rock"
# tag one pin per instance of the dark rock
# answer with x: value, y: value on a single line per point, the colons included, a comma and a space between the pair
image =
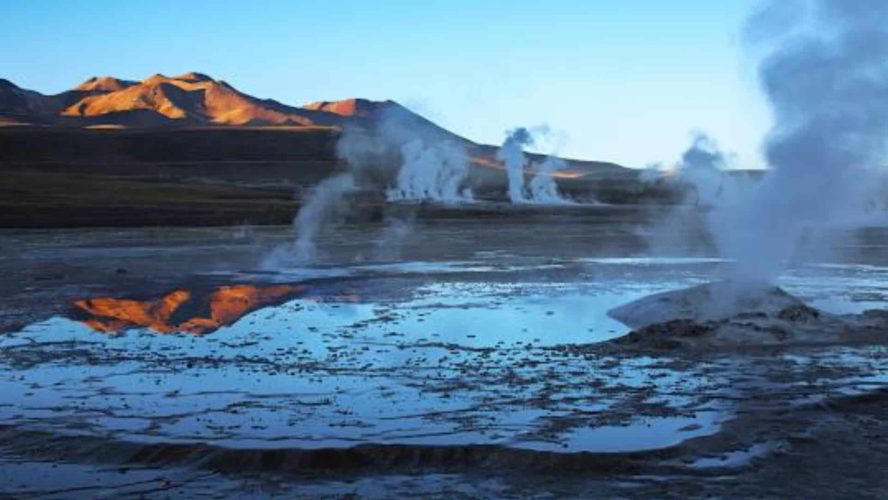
x: 798, y: 313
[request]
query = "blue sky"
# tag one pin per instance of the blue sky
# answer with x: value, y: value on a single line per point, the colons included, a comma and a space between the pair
x: 618, y: 80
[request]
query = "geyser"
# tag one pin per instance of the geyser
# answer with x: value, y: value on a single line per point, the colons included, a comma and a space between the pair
x: 421, y: 162
x: 826, y: 79
x: 511, y: 153
x: 435, y: 172
x: 542, y: 188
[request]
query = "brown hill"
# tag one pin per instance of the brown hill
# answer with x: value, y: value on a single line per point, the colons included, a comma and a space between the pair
x: 192, y: 99
x: 18, y: 105
x: 352, y: 107
x: 192, y: 150
x: 189, y: 99
x: 23, y: 106
x: 104, y: 84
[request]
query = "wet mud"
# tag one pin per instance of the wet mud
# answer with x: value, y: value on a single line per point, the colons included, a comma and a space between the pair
x: 488, y: 373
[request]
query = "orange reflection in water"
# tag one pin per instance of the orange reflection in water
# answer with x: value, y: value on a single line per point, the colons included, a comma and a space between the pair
x: 183, y: 310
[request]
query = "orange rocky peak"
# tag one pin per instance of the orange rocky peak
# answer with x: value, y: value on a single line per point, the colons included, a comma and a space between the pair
x: 193, y: 98
x: 350, y: 107
x: 104, y: 84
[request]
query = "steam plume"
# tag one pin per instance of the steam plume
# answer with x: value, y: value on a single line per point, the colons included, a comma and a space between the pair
x: 704, y: 166
x: 398, y: 146
x: 512, y: 154
x: 827, y: 82
x: 323, y: 208
x: 710, y: 192
x: 542, y: 188
x: 434, y: 172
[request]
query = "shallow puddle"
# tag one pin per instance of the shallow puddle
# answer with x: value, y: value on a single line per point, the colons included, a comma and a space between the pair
x: 419, y: 353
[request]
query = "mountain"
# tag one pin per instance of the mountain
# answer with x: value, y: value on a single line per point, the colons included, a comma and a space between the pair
x: 104, y: 84
x: 192, y: 99
x: 197, y: 100
x: 363, y: 108
x: 23, y: 106
x: 193, y: 150
x: 18, y: 105
x: 189, y: 99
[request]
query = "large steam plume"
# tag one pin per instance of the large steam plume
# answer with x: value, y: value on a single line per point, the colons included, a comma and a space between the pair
x: 827, y: 82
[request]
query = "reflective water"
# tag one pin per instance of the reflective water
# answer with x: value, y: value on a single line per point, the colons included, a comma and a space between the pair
x: 432, y: 353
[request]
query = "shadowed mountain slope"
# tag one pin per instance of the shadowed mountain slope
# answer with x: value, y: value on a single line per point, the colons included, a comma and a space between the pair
x: 193, y: 150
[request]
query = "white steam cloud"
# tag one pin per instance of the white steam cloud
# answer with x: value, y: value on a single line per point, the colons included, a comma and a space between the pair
x: 710, y: 192
x: 432, y: 173
x: 827, y: 82
x: 542, y: 188
x: 826, y: 78
x: 704, y: 166
x: 511, y: 153
x: 324, y: 207
x: 424, y: 164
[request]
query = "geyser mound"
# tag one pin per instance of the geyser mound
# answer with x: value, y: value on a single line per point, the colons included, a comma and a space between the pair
x: 708, y: 302
x: 724, y: 315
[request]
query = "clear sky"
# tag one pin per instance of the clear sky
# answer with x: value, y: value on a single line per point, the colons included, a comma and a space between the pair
x: 619, y: 80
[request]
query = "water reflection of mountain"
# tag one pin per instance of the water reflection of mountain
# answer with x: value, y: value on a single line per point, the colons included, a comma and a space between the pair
x: 183, y: 310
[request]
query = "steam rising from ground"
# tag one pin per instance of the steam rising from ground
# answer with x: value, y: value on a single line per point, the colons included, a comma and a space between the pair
x: 324, y: 206
x: 703, y: 165
x: 397, y: 153
x: 711, y: 192
x: 707, y: 168
x: 827, y: 82
x: 511, y: 153
x: 826, y: 77
x: 433, y: 172
x: 429, y: 166
x: 542, y: 188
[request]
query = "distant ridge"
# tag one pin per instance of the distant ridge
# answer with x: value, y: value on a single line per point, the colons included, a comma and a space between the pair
x: 198, y: 100
x: 191, y: 99
x: 104, y: 84
x: 352, y: 107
